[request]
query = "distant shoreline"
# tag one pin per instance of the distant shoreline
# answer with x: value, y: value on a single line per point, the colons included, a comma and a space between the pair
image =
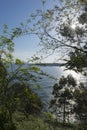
x: 49, y: 64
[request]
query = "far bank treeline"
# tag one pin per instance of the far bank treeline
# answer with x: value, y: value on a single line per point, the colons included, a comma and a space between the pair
x: 69, y: 44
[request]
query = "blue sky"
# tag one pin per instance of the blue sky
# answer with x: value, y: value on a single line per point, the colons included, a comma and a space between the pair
x: 12, y: 13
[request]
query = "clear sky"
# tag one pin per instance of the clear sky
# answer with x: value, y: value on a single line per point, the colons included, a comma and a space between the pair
x: 12, y: 13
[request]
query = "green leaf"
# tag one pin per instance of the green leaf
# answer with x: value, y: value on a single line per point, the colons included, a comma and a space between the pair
x: 19, y: 62
x: 34, y: 68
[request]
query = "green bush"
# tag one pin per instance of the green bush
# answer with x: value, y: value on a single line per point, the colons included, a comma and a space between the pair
x: 10, y: 126
x: 24, y: 99
x: 82, y: 127
x: 5, y: 124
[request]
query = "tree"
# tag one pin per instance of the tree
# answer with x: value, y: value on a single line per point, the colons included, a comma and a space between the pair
x: 24, y: 99
x: 54, y: 29
x: 57, y: 35
x: 13, y: 74
x: 63, y: 97
x: 80, y: 107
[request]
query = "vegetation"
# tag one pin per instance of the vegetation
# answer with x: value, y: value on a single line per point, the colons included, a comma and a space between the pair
x: 63, y: 98
x: 54, y: 27
x: 15, y: 94
x: 70, y: 101
x: 80, y: 107
x: 36, y: 123
x: 70, y: 43
x: 17, y: 101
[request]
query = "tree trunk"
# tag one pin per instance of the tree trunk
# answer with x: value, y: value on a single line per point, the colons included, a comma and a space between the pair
x: 64, y: 113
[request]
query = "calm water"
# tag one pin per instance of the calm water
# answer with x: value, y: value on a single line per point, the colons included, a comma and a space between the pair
x: 46, y: 83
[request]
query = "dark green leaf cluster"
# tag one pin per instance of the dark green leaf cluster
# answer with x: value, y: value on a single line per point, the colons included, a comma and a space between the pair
x: 24, y: 99
x: 80, y: 107
x: 77, y: 61
x: 70, y: 100
x: 67, y: 31
x: 15, y: 78
x: 63, y: 97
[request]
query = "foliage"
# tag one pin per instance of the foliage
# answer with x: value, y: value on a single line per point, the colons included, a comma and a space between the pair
x: 5, y: 124
x: 15, y: 77
x: 77, y: 61
x: 24, y: 99
x: 80, y: 107
x: 63, y: 97
x: 54, y: 28
x: 37, y: 123
x: 69, y: 101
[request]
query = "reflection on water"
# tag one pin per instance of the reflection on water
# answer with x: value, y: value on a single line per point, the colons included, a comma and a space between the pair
x: 47, y: 83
